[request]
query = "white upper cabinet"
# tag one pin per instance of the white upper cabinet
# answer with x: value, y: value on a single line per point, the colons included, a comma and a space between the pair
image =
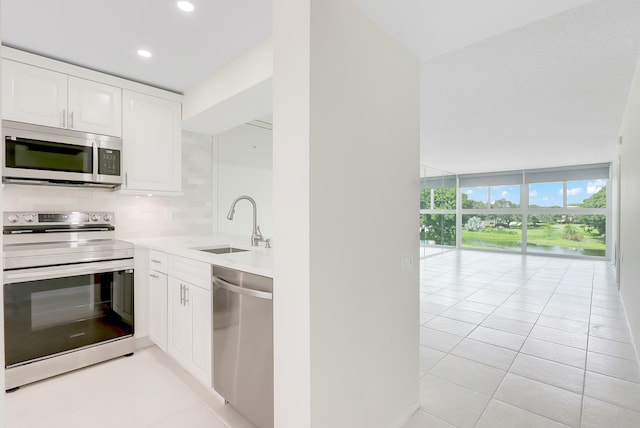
x: 151, y: 136
x: 44, y: 97
x: 94, y: 107
x: 33, y: 95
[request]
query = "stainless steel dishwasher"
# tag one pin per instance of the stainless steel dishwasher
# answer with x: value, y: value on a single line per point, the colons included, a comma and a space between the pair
x: 243, y: 342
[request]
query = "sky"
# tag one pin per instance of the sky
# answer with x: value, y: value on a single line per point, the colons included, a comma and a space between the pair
x: 550, y: 194
x: 541, y: 194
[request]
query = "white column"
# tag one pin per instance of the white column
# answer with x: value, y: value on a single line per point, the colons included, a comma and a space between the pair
x: 629, y: 154
x: 346, y: 194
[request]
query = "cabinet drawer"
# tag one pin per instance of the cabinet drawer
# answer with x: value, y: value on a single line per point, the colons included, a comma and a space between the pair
x: 158, y: 261
x: 193, y: 271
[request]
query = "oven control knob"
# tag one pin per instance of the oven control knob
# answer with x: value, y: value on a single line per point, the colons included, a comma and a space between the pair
x: 95, y: 217
x: 29, y: 218
x: 107, y: 218
x: 12, y: 218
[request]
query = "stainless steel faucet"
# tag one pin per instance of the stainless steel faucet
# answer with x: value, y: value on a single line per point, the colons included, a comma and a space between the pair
x: 256, y: 235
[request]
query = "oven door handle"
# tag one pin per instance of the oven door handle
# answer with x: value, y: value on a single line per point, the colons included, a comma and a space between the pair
x: 50, y: 272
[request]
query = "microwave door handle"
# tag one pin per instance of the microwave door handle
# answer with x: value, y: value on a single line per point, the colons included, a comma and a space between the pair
x: 95, y: 161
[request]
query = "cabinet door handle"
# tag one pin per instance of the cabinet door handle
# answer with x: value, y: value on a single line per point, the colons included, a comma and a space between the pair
x: 71, y: 121
x: 186, y: 295
x: 153, y: 275
x: 181, y: 294
x: 155, y: 261
x: 64, y: 118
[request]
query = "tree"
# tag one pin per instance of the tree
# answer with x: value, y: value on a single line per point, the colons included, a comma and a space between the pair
x: 425, y: 199
x: 440, y: 228
x: 444, y: 199
x: 471, y: 203
x: 597, y: 200
x: 474, y: 223
x: 504, y: 203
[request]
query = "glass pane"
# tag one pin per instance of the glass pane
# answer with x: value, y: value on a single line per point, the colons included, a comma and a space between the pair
x: 505, y: 196
x: 587, y: 193
x: 475, y: 197
x: 496, y: 232
x: 444, y: 199
x: 545, y: 195
x: 438, y: 229
x: 573, y: 235
x: 34, y: 154
x: 425, y: 199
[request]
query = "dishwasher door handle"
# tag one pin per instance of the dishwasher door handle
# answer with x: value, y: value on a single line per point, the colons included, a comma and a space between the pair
x: 246, y: 291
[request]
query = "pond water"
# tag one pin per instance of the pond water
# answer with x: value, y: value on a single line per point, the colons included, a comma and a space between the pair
x: 507, y: 245
x: 536, y: 248
x: 555, y: 249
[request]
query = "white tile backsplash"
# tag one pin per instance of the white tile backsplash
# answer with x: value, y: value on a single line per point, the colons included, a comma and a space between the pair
x: 136, y: 216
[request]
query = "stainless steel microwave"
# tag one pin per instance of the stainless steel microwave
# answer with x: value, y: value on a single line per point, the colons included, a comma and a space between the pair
x: 34, y: 154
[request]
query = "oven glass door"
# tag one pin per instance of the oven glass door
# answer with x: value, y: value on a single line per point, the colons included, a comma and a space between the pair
x: 49, y: 316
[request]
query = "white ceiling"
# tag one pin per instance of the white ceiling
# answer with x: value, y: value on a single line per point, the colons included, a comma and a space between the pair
x: 505, y: 84
x: 105, y: 35
x: 429, y: 28
x: 551, y: 93
x: 517, y: 84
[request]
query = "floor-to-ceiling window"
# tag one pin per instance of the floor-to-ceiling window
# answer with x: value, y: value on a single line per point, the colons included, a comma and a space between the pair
x: 491, y: 211
x: 567, y: 211
x: 559, y: 211
x: 437, y: 211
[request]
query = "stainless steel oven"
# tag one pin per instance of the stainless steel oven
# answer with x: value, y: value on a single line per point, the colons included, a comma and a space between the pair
x: 68, y: 293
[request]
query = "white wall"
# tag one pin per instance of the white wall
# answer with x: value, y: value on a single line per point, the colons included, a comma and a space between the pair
x: 244, y: 167
x: 237, y: 93
x: 136, y: 216
x: 346, y: 176
x: 629, y: 154
x: 2, y: 384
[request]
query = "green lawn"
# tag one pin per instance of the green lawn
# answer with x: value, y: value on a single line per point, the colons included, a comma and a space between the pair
x: 492, y: 238
x: 549, y: 235
x: 553, y: 235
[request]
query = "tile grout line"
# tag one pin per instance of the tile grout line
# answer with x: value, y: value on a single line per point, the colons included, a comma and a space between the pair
x: 492, y: 397
x: 519, y: 352
x: 586, y: 354
x: 572, y: 292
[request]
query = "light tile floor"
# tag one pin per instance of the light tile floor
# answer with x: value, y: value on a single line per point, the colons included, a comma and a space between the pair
x: 513, y: 341
x: 506, y: 341
x: 147, y: 389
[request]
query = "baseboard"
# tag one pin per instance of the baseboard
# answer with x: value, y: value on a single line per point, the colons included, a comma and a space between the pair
x: 143, y: 342
x: 408, y: 414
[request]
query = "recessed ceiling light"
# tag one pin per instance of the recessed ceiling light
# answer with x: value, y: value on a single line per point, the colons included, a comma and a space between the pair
x: 185, y: 6
x: 144, y: 53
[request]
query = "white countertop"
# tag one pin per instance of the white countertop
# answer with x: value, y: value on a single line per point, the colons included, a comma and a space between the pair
x: 257, y: 260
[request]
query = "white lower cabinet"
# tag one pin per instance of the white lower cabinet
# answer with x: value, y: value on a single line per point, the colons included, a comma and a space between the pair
x: 158, y: 295
x: 158, y: 308
x: 178, y: 322
x: 199, y: 353
x: 190, y: 327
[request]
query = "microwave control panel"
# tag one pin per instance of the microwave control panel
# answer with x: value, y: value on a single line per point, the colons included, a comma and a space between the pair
x: 108, y: 161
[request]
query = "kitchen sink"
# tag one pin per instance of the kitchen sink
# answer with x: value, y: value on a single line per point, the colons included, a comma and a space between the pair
x: 222, y: 250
